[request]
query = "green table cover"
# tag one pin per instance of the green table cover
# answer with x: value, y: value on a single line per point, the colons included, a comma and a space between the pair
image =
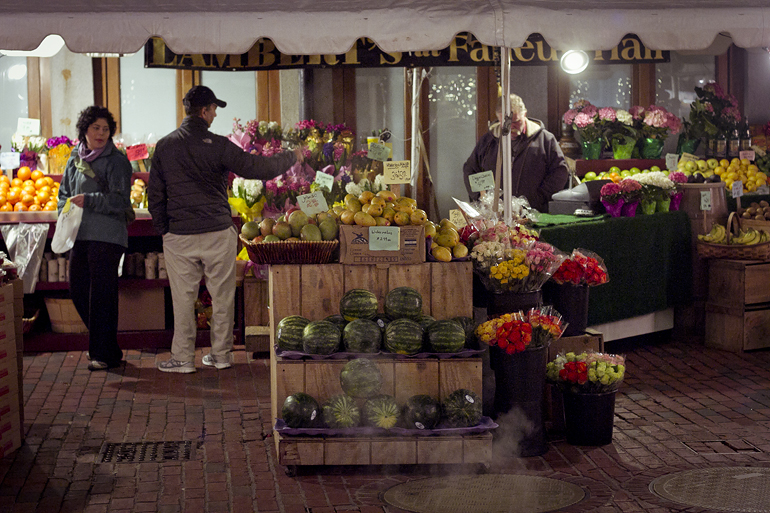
x: 554, y: 219
x: 649, y: 259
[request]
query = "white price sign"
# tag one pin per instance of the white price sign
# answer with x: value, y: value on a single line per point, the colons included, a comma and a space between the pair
x: 737, y: 189
x: 324, y: 180
x: 747, y: 154
x: 484, y: 181
x: 384, y: 238
x: 28, y: 126
x: 705, y: 200
x: 10, y: 160
x: 398, y: 171
x: 672, y: 159
x: 312, y: 203
x: 763, y: 189
x: 457, y: 218
x: 378, y: 151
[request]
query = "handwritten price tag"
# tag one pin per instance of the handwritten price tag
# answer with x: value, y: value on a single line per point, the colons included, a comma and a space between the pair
x: 687, y: 157
x: 763, y: 189
x: 324, y: 180
x: 484, y: 181
x: 737, y: 189
x: 312, y: 203
x: 456, y: 218
x: 384, y: 238
x: 28, y: 126
x: 672, y: 159
x: 378, y: 151
x: 705, y: 200
x: 10, y: 160
x: 137, y: 152
x: 399, y: 171
x: 747, y: 154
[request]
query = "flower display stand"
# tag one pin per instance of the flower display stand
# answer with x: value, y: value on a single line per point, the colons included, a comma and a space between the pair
x: 314, y: 291
x: 589, y: 418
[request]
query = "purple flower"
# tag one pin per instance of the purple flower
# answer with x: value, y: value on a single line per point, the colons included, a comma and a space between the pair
x: 677, y: 177
x: 637, y: 111
x: 609, y: 189
x: 607, y: 114
x: 583, y: 120
x: 569, y: 116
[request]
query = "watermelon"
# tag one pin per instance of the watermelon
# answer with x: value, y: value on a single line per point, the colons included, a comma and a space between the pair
x: 381, y: 411
x: 320, y: 337
x: 404, y: 302
x: 341, y: 411
x: 362, y: 336
x: 403, y: 336
x: 462, y: 408
x: 358, y: 304
x: 425, y: 321
x: 446, y: 336
x: 300, y: 410
x: 422, y: 412
x: 338, y: 321
x: 361, y: 378
x: 470, y: 331
x: 288, y: 334
x: 382, y: 321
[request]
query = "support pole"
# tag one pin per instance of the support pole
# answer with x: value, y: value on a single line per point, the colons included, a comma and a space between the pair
x: 416, y: 149
x: 505, y: 138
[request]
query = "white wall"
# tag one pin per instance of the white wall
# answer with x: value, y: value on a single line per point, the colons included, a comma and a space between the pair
x: 72, y: 90
x: 239, y: 90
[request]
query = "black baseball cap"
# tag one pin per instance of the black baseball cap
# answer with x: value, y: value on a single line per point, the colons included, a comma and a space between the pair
x: 201, y: 96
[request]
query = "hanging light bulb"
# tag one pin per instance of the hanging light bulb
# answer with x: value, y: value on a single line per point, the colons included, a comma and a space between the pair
x: 574, y: 61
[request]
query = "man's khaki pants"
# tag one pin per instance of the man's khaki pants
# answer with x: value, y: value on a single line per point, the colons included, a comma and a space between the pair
x: 188, y: 259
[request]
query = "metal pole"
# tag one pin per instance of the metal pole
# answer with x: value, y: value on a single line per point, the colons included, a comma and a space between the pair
x: 416, y: 79
x: 505, y: 139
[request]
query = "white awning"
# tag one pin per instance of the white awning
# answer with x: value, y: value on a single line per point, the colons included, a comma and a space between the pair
x: 331, y: 26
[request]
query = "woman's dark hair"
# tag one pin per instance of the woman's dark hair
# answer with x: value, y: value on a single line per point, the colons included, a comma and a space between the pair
x: 89, y: 115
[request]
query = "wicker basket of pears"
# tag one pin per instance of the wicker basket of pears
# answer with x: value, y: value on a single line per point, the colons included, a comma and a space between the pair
x: 732, y: 242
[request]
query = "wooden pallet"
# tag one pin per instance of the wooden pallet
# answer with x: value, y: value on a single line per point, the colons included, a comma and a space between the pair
x: 314, y: 291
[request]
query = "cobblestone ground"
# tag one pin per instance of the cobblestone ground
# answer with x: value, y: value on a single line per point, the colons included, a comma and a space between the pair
x: 681, y: 407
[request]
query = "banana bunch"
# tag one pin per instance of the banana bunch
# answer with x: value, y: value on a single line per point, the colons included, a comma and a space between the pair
x: 718, y: 235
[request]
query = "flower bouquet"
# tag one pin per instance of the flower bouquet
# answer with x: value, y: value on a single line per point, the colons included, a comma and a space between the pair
x: 582, y: 267
x: 523, y: 268
x: 619, y: 132
x: 586, y: 373
x: 612, y: 198
x: 248, y: 198
x: 33, y: 151
x: 568, y: 289
x: 584, y: 119
x: 258, y: 137
x: 678, y: 178
x: 517, y: 331
x: 656, y: 191
x: 631, y: 190
x: 654, y: 125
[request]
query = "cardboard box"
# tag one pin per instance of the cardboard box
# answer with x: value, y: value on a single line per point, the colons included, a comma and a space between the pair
x: 8, y: 337
x: 141, y: 309
x: 7, y: 312
x: 9, y: 374
x: 354, y: 246
x: 10, y: 434
x: 6, y: 294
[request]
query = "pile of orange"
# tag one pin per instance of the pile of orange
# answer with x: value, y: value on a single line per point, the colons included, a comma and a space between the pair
x: 30, y: 191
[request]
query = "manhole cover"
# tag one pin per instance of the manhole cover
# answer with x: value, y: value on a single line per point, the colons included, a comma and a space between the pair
x: 142, y: 452
x: 740, y: 489
x: 489, y: 493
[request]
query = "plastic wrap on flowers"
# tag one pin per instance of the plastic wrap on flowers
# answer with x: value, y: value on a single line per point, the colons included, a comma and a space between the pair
x: 587, y: 373
x: 543, y: 260
x: 583, y: 267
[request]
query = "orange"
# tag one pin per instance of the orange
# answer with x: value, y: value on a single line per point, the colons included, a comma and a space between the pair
x: 13, y: 196
x: 36, y: 201
x: 3, y: 199
x: 45, y: 188
x: 43, y: 196
x: 4, y: 186
x: 6, y: 207
x: 20, y: 207
x: 17, y: 182
x: 29, y: 182
x: 49, y: 207
x: 615, y: 177
x: 4, y: 178
x: 29, y: 189
x: 48, y: 180
x: 36, y: 174
x: 23, y: 173
x: 35, y: 208
x: 27, y: 199
x: 40, y: 183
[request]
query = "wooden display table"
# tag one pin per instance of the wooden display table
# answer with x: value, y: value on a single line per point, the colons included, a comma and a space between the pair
x: 314, y: 291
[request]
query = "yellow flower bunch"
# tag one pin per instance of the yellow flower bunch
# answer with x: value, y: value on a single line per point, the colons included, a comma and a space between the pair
x: 487, y: 331
x: 513, y: 269
x: 57, y: 158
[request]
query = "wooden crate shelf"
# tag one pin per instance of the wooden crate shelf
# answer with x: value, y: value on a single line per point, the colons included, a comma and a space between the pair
x: 314, y: 291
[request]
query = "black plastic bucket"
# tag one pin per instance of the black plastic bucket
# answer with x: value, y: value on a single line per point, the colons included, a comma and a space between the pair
x: 508, y: 302
x: 571, y: 301
x: 589, y: 418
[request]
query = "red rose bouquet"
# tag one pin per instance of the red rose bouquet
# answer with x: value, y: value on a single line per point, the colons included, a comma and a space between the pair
x: 587, y: 373
x: 510, y: 332
x: 583, y: 267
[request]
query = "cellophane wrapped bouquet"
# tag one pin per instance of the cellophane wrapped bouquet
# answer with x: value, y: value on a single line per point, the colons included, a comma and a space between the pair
x: 518, y: 331
x: 587, y: 373
x: 582, y: 267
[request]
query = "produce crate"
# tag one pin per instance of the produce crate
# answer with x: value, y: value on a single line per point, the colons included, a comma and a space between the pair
x: 256, y: 316
x: 314, y: 291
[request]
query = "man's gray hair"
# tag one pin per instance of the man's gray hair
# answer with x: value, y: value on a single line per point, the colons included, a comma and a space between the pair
x: 517, y: 105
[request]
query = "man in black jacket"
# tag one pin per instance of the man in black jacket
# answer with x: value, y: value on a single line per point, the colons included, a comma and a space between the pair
x: 187, y: 197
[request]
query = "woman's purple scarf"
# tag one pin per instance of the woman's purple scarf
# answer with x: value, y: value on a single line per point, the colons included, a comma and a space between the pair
x: 89, y: 155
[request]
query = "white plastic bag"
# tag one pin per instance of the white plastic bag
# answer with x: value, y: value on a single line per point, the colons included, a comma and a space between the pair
x: 67, y: 226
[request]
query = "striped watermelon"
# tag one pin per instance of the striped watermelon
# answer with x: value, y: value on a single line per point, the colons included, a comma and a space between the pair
x: 422, y: 412
x: 462, y: 408
x: 470, y: 331
x: 361, y: 378
x: 403, y: 336
x: 446, y: 336
x: 337, y: 320
x: 362, y: 336
x: 358, y: 304
x: 341, y: 411
x: 300, y: 410
x: 381, y: 411
x: 288, y: 334
x: 424, y: 321
x: 404, y: 302
x: 320, y: 337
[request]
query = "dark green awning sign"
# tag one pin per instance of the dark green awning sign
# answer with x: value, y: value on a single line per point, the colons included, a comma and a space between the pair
x: 465, y: 50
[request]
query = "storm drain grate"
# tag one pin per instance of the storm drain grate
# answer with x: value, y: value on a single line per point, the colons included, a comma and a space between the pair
x: 144, y: 452
x: 728, y: 489
x: 739, y: 446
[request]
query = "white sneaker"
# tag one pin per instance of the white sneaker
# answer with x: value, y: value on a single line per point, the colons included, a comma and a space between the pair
x: 172, y: 365
x: 220, y: 363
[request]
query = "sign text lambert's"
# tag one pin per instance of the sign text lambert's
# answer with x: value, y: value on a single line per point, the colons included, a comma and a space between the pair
x: 465, y: 50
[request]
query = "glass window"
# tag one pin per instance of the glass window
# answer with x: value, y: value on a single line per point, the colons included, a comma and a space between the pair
x: 72, y: 90
x: 13, y: 100
x: 529, y: 82
x: 380, y: 104
x: 239, y: 90
x: 603, y: 86
x: 147, y: 100
x: 452, y: 104
x: 675, y: 81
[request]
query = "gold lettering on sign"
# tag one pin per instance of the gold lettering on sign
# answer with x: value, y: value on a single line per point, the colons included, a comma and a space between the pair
x: 396, y: 56
x: 431, y: 53
x: 480, y: 54
x: 631, y: 51
x: 288, y: 60
x: 351, y: 57
x: 541, y: 54
x: 598, y: 55
x: 159, y: 53
x: 261, y: 54
x: 519, y: 52
x: 455, y: 47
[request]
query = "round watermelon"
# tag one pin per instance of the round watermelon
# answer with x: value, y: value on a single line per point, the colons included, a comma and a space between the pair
x: 446, y: 336
x: 338, y: 321
x: 403, y: 336
x: 361, y: 378
x: 341, y: 411
x: 362, y: 336
x: 358, y: 304
x: 288, y: 333
x: 422, y: 412
x: 381, y: 411
x: 462, y: 408
x: 404, y: 302
x: 320, y: 337
x: 424, y: 321
x: 470, y: 331
x: 300, y: 410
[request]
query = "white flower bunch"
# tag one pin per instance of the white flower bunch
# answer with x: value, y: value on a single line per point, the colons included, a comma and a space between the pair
x: 247, y: 190
x: 379, y: 183
x: 624, y: 117
x: 487, y: 251
x: 354, y: 188
x: 654, y: 179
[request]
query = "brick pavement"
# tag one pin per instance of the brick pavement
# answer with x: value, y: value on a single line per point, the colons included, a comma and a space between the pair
x: 682, y: 407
